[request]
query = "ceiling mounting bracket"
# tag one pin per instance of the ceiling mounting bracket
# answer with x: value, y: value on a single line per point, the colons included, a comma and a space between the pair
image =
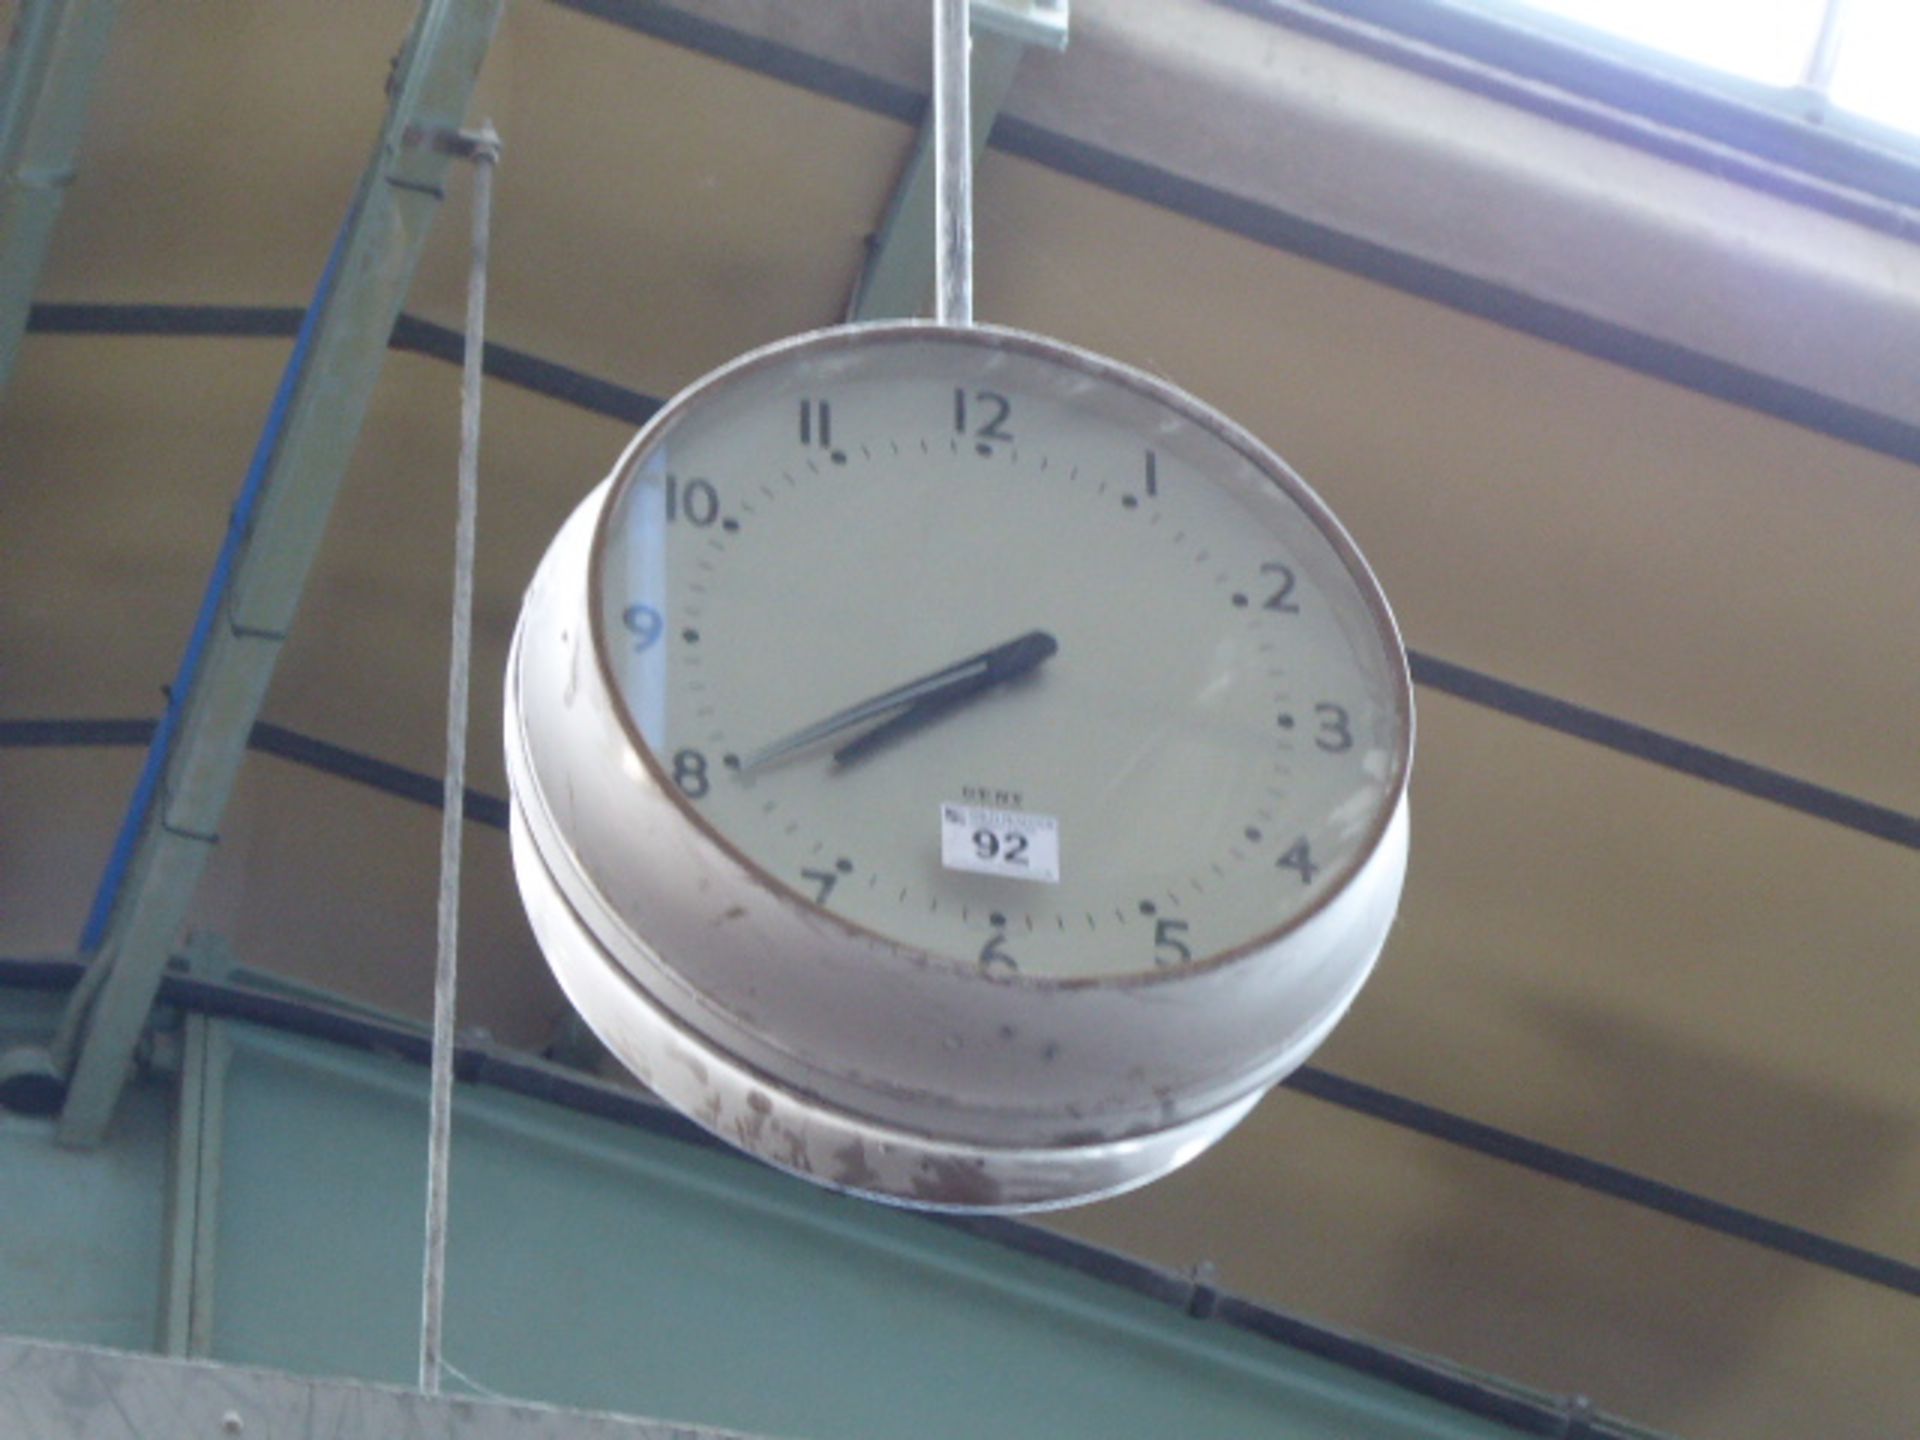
x: 481, y: 143
x: 897, y: 278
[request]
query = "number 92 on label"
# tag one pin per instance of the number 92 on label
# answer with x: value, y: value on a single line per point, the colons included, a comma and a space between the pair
x: 1012, y: 843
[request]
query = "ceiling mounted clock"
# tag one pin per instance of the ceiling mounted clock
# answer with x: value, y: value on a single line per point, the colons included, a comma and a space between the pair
x: 956, y: 767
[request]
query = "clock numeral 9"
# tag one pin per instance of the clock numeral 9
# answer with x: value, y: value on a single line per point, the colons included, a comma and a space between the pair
x: 993, y: 428
x: 645, y: 623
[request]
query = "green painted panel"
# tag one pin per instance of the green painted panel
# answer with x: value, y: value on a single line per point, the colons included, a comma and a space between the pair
x: 81, y: 1232
x: 595, y: 1265
x: 317, y: 1248
x: 30, y: 1015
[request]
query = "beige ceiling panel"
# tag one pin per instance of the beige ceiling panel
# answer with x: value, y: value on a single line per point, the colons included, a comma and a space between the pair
x: 366, y: 665
x: 1561, y: 523
x: 1400, y: 1238
x: 59, y: 811
x: 1538, y: 199
x: 119, y: 461
x: 1654, y: 972
x: 658, y: 212
x: 336, y: 885
x: 222, y: 149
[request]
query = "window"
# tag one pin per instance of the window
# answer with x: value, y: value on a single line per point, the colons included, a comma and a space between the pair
x: 1823, y: 95
x: 1878, y: 69
x: 1861, y: 57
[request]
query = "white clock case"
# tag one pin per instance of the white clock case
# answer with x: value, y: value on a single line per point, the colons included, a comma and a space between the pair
x: 831, y: 1052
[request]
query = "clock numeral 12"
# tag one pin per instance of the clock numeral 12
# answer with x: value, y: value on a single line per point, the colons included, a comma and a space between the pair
x: 993, y: 428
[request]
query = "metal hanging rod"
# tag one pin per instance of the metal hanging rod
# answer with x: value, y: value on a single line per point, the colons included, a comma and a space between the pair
x: 953, y: 163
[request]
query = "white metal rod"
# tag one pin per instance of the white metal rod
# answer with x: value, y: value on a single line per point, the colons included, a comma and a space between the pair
x: 1818, y: 76
x: 952, y: 163
x: 484, y: 152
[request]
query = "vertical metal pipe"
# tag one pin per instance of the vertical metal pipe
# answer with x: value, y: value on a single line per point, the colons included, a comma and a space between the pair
x: 485, y: 150
x: 952, y: 163
x: 1818, y: 76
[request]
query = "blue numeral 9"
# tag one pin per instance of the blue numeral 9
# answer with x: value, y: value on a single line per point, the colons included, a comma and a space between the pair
x: 645, y: 623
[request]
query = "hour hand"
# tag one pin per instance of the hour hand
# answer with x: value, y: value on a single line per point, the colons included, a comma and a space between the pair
x: 921, y: 700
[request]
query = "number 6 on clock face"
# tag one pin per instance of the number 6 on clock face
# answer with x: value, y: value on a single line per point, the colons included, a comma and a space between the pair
x: 1013, y: 683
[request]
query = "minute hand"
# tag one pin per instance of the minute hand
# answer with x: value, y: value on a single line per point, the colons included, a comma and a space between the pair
x: 952, y: 683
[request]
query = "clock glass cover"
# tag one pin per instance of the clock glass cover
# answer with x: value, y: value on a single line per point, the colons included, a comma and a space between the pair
x: 1014, y: 657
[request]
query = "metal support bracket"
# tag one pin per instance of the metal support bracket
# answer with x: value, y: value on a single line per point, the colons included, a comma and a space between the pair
x: 480, y: 144
x: 272, y: 538
x: 898, y: 276
x: 45, y: 83
x: 186, y: 1316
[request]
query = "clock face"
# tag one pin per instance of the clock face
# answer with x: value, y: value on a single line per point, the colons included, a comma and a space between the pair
x: 1003, y: 653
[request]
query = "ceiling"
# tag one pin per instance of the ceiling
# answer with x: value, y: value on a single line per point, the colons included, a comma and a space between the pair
x: 1703, y: 978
